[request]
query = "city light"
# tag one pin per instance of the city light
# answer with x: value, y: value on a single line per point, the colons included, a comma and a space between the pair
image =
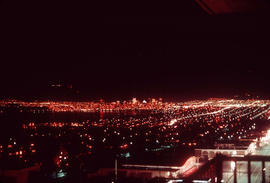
x: 155, y: 126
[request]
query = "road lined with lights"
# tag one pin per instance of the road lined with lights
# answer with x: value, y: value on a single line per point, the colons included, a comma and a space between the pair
x: 143, y: 126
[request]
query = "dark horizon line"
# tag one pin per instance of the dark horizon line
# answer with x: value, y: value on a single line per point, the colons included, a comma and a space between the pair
x: 106, y: 99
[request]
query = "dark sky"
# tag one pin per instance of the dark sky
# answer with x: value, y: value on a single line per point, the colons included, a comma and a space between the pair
x: 119, y: 50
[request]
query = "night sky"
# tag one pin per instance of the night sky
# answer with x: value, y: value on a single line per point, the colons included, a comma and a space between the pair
x: 121, y: 50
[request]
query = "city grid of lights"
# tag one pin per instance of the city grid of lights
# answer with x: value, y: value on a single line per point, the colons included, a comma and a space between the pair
x: 155, y: 126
